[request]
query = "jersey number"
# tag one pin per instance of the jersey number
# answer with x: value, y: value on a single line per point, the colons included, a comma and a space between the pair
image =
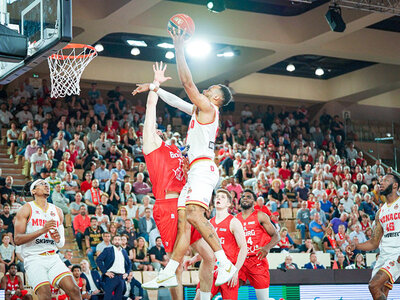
x: 249, y: 241
x: 390, y: 226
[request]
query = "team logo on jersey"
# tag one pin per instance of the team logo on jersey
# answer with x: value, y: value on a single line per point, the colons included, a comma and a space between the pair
x: 52, y: 213
x: 222, y: 229
x: 37, y: 212
x: 252, y: 222
x: 396, y: 206
x: 172, y: 216
x: 211, y: 145
x: 391, y: 263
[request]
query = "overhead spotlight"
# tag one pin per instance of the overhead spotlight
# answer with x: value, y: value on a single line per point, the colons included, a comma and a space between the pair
x: 165, y: 45
x: 290, y: 68
x: 319, y: 72
x: 136, y: 43
x: 216, y: 6
x: 198, y: 48
x: 170, y: 55
x: 334, y: 18
x: 226, y: 54
x: 135, y: 51
x: 388, y: 134
x: 99, y: 47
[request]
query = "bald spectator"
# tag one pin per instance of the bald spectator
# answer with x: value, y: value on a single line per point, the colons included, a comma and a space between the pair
x: 336, y: 222
x: 140, y: 188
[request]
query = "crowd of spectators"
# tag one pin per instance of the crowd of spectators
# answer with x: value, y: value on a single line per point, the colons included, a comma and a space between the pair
x: 90, y: 152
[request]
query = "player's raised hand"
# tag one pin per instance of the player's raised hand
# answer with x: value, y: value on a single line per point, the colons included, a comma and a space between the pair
x: 159, y: 72
x: 177, y: 35
x: 141, y: 88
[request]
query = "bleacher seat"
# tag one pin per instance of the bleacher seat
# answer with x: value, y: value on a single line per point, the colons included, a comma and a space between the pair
x: 294, y: 212
x: 186, y: 278
x: 194, y: 275
x: 138, y: 276
x: 286, y: 213
x: 20, y: 274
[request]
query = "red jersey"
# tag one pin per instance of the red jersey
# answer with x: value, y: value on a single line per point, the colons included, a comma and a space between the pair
x: 12, y: 285
x: 264, y: 209
x: 227, y: 238
x: 255, y: 233
x: 165, y: 170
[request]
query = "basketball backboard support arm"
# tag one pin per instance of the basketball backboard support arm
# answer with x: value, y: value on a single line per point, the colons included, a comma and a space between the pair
x: 48, y: 26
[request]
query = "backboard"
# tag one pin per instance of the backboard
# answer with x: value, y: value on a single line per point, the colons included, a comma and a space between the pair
x: 46, y: 23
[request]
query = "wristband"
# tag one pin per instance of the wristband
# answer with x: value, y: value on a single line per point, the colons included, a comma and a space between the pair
x: 152, y: 86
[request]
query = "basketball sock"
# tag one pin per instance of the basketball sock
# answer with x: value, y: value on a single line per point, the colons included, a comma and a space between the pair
x: 205, y: 295
x: 262, y: 294
x: 171, y: 267
x: 221, y: 257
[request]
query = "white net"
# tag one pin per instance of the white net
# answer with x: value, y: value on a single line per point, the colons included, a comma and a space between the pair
x: 66, y: 68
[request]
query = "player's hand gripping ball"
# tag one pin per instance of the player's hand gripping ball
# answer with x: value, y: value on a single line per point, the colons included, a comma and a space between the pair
x: 183, y: 22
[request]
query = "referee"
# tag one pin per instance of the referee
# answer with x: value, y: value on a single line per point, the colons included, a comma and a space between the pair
x: 115, y: 265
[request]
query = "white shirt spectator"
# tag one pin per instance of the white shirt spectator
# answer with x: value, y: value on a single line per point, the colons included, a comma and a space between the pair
x: 23, y: 116
x: 368, y: 178
x: 102, y: 147
x: 30, y: 132
x: 360, y: 236
x: 39, y: 161
x: 63, y: 144
x: 348, y: 204
x: 5, y: 117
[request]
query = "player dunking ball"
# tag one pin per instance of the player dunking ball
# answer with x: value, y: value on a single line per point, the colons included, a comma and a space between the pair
x: 165, y: 165
x: 231, y: 234
x: 261, y: 236
x: 203, y: 174
x: 39, y: 230
x: 386, y: 237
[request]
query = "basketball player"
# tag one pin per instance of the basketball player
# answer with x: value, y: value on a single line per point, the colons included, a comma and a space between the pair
x: 261, y: 236
x: 231, y: 234
x: 12, y: 284
x: 203, y: 174
x: 39, y: 229
x: 164, y: 163
x: 386, y: 236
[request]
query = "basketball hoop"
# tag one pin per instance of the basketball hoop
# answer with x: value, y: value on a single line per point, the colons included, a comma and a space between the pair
x: 66, y: 68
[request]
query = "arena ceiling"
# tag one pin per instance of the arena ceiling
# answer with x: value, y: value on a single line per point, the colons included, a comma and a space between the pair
x: 367, y: 54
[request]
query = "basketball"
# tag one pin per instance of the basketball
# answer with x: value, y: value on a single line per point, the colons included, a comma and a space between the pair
x: 183, y: 22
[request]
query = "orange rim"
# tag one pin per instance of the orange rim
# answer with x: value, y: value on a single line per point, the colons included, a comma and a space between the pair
x: 72, y: 46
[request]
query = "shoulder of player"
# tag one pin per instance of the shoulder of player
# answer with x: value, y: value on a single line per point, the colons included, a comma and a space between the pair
x: 25, y: 210
x: 235, y: 224
x: 262, y: 216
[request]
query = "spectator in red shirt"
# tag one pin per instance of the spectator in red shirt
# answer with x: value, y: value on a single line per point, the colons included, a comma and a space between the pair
x: 87, y: 184
x: 284, y: 173
x: 72, y: 152
x: 139, y: 133
x: 284, y: 243
x: 81, y: 222
x: 69, y: 165
x: 225, y: 156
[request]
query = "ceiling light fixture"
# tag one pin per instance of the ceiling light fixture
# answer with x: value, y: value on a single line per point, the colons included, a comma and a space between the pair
x: 198, y: 48
x: 216, y: 6
x: 169, y: 55
x: 319, y: 72
x: 290, y: 68
x: 165, y: 45
x: 226, y: 54
x: 99, y: 47
x: 136, y: 43
x: 135, y: 51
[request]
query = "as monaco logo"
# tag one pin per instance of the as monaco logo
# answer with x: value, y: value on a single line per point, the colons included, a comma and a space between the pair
x: 396, y: 206
x: 178, y: 20
x: 391, y: 263
x: 52, y: 213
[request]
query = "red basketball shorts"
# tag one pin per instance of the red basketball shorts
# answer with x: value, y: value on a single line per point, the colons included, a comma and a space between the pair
x: 256, y: 271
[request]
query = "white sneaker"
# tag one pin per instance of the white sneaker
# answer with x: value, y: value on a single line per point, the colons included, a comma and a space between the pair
x: 163, y: 280
x: 225, y: 273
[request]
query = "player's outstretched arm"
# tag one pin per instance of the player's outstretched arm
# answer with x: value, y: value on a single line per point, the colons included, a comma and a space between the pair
x: 21, y: 219
x: 185, y: 76
x: 271, y: 230
x: 151, y: 140
x: 237, y: 229
x: 375, y: 239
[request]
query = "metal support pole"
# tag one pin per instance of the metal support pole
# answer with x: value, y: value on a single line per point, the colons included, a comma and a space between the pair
x: 4, y: 15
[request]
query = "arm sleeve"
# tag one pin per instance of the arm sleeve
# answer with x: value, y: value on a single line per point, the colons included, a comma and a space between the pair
x: 61, y: 243
x: 175, y: 101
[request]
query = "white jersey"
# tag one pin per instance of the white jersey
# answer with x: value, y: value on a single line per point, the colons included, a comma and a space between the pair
x: 38, y: 218
x: 200, y: 138
x: 389, y: 217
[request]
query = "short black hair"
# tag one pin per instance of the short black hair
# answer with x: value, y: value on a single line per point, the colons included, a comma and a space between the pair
x: 395, y: 177
x: 76, y: 267
x: 251, y: 192
x: 93, y: 218
x: 226, y: 94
